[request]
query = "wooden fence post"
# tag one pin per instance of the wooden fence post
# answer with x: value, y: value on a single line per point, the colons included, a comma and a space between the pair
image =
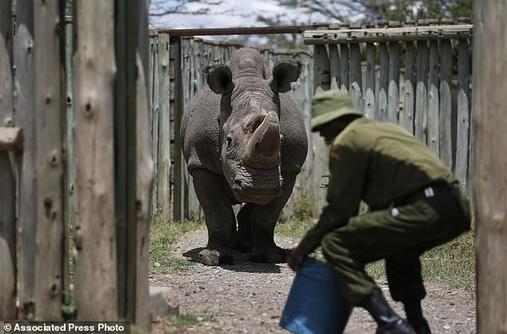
x: 355, y: 76
x: 490, y: 181
x: 369, y: 95
x: 433, y: 99
x: 407, y: 116
x: 25, y: 115
x: 421, y: 101
x: 49, y: 129
x: 7, y: 175
x: 95, y: 237
x: 445, y: 121
x: 144, y: 175
x: 393, y: 87
x: 463, y: 147
x: 381, y: 99
x: 321, y: 68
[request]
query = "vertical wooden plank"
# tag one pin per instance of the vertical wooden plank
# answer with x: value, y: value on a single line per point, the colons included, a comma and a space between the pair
x: 490, y: 179
x: 70, y: 200
x: 164, y: 139
x: 7, y: 175
x: 334, y: 66
x: 95, y: 239
x: 407, y: 114
x: 355, y: 76
x: 393, y: 98
x: 344, y: 66
x: 369, y: 96
x: 321, y: 68
x: 381, y: 112
x: 463, y: 117
x: 155, y: 112
x: 144, y: 174
x: 49, y: 103
x: 179, y: 162
x: 445, y: 120
x: 25, y: 115
x: 421, y: 102
x: 433, y: 99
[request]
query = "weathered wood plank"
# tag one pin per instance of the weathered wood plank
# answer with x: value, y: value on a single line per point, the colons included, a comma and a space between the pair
x: 407, y: 114
x: 95, y: 237
x: 11, y: 139
x: 369, y: 96
x: 445, y: 113
x: 344, y: 66
x: 334, y: 66
x: 25, y: 115
x: 179, y: 162
x: 154, y: 119
x: 393, y: 98
x: 49, y: 103
x: 7, y: 174
x: 70, y: 200
x: 381, y: 112
x: 321, y: 68
x: 421, y: 102
x: 387, y: 34
x: 433, y: 99
x: 164, y: 131
x: 463, y: 118
x: 144, y: 174
x: 355, y: 76
x: 490, y: 180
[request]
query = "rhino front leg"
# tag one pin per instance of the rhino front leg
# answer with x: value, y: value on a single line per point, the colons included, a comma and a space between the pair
x: 263, y: 221
x: 214, y: 196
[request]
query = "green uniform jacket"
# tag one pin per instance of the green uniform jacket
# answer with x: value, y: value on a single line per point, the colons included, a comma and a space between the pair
x: 377, y: 163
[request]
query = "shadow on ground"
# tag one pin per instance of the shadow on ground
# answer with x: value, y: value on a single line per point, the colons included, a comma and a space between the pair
x: 241, y: 262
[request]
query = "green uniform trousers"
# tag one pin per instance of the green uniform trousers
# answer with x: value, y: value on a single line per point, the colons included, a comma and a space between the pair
x: 399, y: 234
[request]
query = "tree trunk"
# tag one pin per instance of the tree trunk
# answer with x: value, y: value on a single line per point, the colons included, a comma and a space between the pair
x: 95, y: 68
x: 489, y: 105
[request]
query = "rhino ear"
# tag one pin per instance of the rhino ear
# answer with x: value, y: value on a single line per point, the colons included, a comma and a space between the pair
x: 283, y: 74
x: 220, y: 79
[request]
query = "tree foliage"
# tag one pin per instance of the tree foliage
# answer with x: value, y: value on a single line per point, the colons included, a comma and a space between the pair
x: 400, y: 10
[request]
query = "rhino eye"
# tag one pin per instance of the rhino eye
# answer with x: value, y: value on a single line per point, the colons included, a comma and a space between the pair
x: 229, y: 142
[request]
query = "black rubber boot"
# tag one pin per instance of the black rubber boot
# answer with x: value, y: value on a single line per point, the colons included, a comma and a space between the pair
x: 413, y: 311
x: 387, y: 320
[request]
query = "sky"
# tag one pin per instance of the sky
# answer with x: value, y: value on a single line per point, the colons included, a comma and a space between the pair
x: 229, y: 13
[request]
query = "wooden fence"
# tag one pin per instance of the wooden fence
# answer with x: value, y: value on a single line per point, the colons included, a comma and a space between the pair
x: 177, y: 73
x: 415, y: 75
x: 74, y: 124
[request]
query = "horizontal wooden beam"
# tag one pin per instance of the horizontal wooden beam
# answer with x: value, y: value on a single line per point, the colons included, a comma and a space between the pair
x: 411, y: 33
x: 11, y: 139
x: 237, y: 31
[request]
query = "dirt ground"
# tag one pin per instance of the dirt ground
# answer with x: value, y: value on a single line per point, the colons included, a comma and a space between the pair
x: 249, y: 298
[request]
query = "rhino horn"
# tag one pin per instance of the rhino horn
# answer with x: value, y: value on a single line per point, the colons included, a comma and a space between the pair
x: 263, y: 149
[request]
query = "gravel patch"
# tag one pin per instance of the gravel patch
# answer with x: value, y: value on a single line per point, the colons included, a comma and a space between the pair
x: 249, y: 297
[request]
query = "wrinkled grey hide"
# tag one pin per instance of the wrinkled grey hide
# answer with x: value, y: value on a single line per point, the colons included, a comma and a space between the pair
x: 244, y: 141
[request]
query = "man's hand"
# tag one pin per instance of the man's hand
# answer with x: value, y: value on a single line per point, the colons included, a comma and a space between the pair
x: 296, y: 257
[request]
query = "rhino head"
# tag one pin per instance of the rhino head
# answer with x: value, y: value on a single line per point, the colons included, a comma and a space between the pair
x: 249, y: 123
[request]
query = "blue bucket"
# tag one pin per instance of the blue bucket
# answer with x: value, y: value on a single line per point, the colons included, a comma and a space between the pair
x: 315, y: 304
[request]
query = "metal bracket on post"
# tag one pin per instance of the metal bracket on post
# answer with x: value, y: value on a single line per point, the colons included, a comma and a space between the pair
x: 11, y: 139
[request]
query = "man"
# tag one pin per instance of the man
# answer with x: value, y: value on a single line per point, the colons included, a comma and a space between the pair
x: 414, y: 201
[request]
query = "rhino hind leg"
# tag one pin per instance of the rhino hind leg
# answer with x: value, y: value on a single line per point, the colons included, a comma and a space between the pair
x: 263, y: 220
x: 214, y: 196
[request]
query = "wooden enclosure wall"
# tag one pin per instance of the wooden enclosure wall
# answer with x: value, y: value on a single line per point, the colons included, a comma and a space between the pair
x: 177, y: 72
x: 76, y: 175
x: 420, y: 81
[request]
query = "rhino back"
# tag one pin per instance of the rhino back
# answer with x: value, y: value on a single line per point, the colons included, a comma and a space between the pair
x: 200, y: 132
x: 294, y: 139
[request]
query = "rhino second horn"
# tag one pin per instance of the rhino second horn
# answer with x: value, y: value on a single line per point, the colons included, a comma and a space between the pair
x: 263, y: 149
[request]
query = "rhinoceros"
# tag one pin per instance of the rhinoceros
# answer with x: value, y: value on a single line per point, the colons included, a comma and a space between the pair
x: 244, y: 141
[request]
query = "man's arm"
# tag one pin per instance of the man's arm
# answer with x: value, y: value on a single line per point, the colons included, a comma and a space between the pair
x: 348, y: 168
